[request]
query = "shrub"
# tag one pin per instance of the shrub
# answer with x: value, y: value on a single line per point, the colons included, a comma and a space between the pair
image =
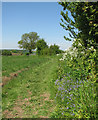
x: 6, y: 53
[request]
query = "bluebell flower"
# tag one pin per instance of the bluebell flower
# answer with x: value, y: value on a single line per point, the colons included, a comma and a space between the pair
x: 77, y: 81
x: 70, y: 98
x: 73, y: 105
x: 74, y: 86
x: 71, y: 95
x: 73, y: 114
x: 69, y: 89
x: 63, y: 98
x: 66, y: 91
x: 80, y: 82
x: 63, y: 83
x: 67, y: 97
x: 67, y: 108
x: 56, y: 82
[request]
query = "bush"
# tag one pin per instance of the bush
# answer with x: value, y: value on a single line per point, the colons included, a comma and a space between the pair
x: 6, y: 53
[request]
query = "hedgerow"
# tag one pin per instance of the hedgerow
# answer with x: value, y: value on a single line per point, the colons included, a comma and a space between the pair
x: 76, y: 84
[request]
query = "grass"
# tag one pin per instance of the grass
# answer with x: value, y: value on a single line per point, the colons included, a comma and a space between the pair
x: 29, y: 95
x: 12, y: 64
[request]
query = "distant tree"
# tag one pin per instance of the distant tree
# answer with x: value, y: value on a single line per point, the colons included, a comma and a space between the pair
x: 41, y: 44
x: 54, y: 49
x: 45, y: 51
x: 28, y: 41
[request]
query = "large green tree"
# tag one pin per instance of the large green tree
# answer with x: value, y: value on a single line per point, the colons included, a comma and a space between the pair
x: 41, y: 44
x: 28, y: 41
x: 83, y: 21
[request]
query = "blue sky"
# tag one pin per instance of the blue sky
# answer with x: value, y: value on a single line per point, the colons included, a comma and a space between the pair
x: 24, y: 17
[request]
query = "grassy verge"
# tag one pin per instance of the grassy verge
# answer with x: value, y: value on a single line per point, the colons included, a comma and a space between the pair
x: 29, y: 95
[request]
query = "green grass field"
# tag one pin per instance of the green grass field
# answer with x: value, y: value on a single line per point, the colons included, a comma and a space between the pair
x: 12, y: 64
x: 30, y: 94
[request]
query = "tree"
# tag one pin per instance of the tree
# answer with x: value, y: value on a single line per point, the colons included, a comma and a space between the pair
x: 83, y: 24
x: 54, y: 49
x: 28, y: 41
x: 41, y: 44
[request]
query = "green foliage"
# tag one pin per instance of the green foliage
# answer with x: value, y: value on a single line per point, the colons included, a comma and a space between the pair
x: 54, y: 49
x: 28, y: 41
x: 83, y: 24
x: 41, y: 44
x: 6, y: 53
x: 43, y: 49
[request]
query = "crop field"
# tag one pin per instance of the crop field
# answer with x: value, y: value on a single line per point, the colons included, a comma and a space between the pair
x: 29, y: 92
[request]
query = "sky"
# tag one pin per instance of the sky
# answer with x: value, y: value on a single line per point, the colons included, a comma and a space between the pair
x: 24, y: 17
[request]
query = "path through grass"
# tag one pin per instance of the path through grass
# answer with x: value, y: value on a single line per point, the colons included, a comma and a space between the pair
x: 28, y: 95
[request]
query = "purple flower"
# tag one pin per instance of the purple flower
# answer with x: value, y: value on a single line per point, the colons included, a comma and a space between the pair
x: 69, y: 89
x: 73, y: 114
x: 80, y: 82
x: 71, y: 95
x: 56, y: 82
x: 67, y: 108
x: 70, y: 98
x: 63, y: 98
x: 66, y: 91
x: 73, y: 105
x: 74, y: 86
x: 78, y: 86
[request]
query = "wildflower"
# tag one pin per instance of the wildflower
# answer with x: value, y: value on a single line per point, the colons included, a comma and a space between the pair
x: 66, y: 91
x: 56, y: 82
x: 70, y: 98
x: 67, y: 108
x: 63, y: 98
x: 73, y: 114
x: 71, y: 95
x: 74, y: 86
x: 73, y: 105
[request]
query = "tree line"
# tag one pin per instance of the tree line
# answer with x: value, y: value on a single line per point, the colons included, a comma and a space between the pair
x: 31, y: 41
